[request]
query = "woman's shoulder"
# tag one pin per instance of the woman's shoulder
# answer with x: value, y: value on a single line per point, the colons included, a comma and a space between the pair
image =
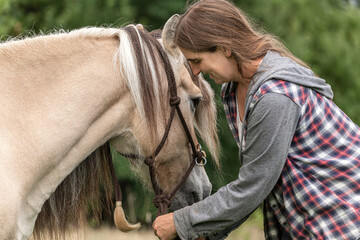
x: 295, y: 92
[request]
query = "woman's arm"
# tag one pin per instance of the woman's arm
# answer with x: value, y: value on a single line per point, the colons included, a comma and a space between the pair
x: 270, y: 129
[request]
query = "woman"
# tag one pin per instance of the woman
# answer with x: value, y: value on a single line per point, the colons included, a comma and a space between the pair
x: 300, y: 153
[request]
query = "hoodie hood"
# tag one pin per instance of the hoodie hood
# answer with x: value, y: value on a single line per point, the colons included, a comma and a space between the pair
x: 274, y: 66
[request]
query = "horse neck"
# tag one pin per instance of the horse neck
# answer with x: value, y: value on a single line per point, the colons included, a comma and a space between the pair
x: 62, y: 103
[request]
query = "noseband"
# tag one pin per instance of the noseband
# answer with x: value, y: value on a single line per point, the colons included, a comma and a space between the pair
x: 161, y: 200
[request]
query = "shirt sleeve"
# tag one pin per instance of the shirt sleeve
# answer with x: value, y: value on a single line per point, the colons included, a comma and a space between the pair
x: 270, y: 128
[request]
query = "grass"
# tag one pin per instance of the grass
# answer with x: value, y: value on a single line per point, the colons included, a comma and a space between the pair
x: 250, y: 230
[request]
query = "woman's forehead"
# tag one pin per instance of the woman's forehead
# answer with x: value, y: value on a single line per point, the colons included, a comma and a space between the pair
x: 192, y: 55
x: 189, y: 54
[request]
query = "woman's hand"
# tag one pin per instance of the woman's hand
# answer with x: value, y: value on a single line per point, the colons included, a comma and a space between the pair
x: 164, y: 227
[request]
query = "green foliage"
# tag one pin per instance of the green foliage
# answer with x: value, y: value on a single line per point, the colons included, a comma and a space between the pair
x: 326, y: 36
x: 45, y: 15
x: 154, y: 13
x: 324, y: 33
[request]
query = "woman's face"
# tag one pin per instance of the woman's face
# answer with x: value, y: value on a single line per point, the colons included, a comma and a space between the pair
x: 220, y: 65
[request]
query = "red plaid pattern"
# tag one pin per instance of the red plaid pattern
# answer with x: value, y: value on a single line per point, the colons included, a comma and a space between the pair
x: 318, y: 193
x: 228, y: 97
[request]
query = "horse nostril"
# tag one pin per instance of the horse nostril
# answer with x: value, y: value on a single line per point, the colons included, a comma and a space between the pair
x: 196, y: 196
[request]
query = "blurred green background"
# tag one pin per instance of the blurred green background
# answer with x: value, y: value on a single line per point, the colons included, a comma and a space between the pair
x: 323, y: 33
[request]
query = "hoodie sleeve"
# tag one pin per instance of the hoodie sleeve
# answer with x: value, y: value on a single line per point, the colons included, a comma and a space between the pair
x: 270, y: 129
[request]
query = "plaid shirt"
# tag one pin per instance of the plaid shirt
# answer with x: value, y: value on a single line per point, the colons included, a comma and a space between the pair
x: 318, y: 193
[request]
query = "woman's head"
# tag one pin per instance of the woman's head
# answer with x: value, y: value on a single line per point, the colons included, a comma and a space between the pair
x: 211, y: 24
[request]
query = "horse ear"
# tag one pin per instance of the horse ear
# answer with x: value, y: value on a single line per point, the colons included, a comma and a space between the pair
x: 168, y: 35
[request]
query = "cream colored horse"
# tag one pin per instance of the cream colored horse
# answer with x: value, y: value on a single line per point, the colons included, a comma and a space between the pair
x: 64, y: 95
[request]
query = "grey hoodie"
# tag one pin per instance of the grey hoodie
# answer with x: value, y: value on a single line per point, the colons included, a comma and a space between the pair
x: 270, y: 125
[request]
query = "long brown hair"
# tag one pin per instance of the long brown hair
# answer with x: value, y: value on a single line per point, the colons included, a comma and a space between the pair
x: 210, y: 24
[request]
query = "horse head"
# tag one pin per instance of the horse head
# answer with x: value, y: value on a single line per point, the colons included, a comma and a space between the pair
x: 151, y: 124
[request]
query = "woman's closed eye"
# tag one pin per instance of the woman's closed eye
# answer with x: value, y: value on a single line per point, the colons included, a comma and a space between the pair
x: 194, y: 61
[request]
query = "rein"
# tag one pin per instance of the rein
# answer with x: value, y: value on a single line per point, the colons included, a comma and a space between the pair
x: 161, y: 200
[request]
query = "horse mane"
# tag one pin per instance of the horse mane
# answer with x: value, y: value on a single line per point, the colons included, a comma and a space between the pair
x: 89, y: 186
x: 140, y: 65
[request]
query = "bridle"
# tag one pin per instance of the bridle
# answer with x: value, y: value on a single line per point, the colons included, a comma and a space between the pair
x: 161, y: 200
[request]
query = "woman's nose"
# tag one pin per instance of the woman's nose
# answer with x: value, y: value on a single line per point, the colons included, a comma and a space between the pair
x: 195, y: 70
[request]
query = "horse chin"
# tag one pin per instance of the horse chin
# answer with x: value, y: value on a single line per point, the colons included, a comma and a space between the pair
x: 196, y: 188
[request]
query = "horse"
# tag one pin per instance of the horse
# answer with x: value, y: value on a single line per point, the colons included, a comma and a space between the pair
x: 66, y: 96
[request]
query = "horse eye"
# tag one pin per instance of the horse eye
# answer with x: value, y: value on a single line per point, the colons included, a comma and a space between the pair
x: 194, y: 102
